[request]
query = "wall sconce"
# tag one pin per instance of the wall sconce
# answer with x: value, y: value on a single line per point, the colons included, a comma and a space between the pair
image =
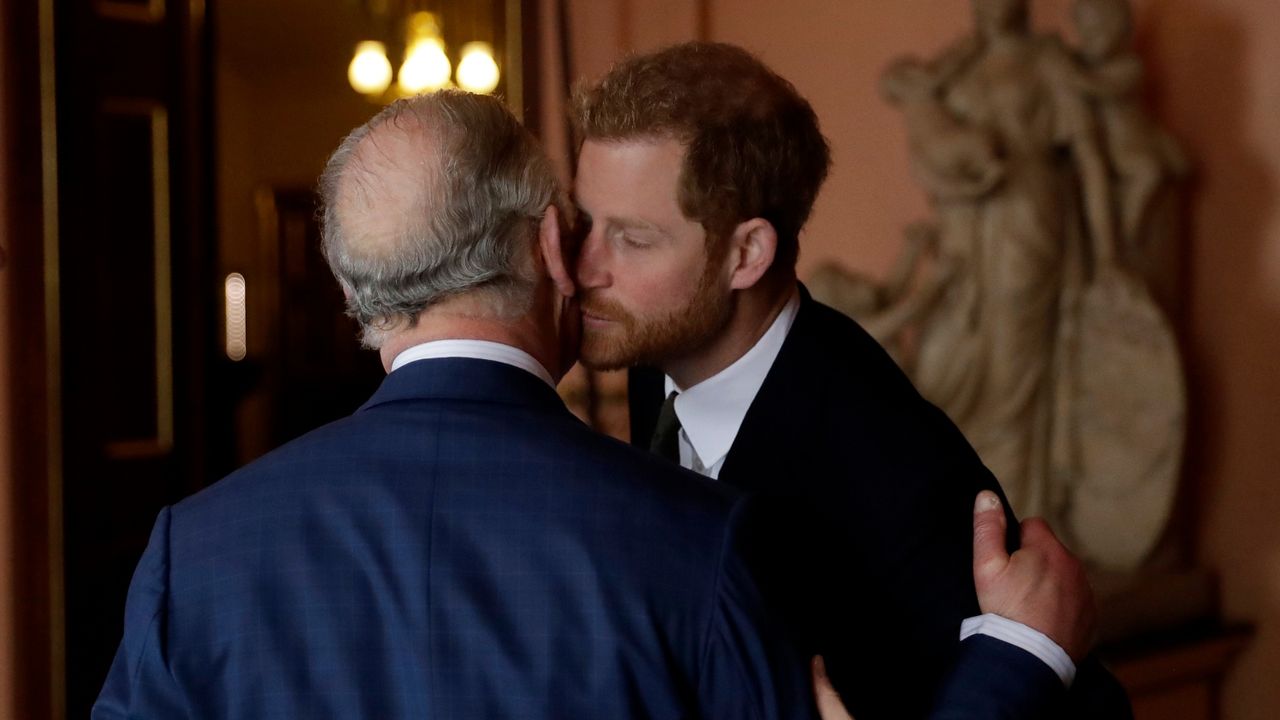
x: 237, y: 333
x: 426, y: 66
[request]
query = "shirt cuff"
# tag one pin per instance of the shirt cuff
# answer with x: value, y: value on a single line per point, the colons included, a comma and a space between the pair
x: 1023, y: 637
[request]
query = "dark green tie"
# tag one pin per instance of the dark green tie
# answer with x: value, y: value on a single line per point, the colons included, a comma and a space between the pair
x: 666, y: 434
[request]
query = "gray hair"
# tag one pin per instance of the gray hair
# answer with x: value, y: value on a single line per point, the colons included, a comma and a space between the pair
x: 467, y: 220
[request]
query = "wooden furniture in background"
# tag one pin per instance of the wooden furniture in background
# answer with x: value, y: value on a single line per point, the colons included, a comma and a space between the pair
x: 1179, y: 676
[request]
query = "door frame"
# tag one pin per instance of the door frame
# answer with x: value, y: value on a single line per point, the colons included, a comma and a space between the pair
x: 31, y: 479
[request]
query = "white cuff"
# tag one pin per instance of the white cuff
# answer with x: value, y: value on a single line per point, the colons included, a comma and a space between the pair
x: 1024, y: 637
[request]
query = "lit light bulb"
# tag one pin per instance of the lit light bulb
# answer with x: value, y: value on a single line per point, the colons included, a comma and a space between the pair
x: 369, y: 71
x: 425, y: 67
x: 477, y: 71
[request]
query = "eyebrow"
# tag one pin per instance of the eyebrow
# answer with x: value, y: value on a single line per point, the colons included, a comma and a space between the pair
x: 637, y: 224
x: 626, y: 223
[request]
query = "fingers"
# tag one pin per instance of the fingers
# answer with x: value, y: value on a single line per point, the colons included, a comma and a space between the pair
x: 989, y: 554
x: 829, y: 705
x: 1058, y: 587
x: 1037, y: 533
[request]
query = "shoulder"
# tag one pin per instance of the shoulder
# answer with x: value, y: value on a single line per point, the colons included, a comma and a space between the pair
x: 839, y: 397
x: 379, y: 455
x: 325, y: 445
x: 833, y: 355
x: 646, y: 478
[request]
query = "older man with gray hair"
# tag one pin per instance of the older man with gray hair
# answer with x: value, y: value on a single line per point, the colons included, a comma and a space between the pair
x: 433, y: 199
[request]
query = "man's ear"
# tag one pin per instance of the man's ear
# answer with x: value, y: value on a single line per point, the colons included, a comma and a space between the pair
x: 550, y: 241
x: 752, y: 247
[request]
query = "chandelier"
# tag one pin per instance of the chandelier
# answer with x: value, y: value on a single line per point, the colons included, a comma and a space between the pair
x: 426, y: 64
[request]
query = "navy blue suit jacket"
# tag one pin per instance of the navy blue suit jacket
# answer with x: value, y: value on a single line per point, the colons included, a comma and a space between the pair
x: 460, y: 547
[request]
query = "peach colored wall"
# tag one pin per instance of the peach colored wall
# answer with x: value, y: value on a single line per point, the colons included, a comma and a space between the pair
x: 601, y: 31
x: 1211, y: 82
x: 1214, y: 62
x: 833, y: 52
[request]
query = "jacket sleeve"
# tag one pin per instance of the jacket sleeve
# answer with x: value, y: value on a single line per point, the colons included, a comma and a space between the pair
x: 994, y: 680
x: 750, y: 667
x: 139, y: 683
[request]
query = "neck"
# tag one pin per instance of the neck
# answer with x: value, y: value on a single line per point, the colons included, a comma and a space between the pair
x: 754, y: 311
x: 455, y: 321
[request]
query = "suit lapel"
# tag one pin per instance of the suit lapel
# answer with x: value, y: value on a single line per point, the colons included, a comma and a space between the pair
x: 644, y: 398
x: 756, y: 453
x: 780, y: 423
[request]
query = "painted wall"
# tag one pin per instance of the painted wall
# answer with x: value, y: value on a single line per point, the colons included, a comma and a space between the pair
x: 1211, y: 82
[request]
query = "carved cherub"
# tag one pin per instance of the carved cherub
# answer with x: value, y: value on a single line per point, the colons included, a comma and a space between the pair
x: 1110, y: 74
x: 885, y: 310
x: 953, y: 161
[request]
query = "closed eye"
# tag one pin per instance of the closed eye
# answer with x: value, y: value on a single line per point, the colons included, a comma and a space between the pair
x: 633, y: 237
x: 635, y: 240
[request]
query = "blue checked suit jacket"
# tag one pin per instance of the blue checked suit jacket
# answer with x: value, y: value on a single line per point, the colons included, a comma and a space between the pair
x: 460, y: 547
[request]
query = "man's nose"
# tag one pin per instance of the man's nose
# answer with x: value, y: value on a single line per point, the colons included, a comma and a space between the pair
x: 594, y: 260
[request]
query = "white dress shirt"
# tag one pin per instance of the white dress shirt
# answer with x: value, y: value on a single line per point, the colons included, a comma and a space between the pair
x: 476, y: 350
x: 711, y: 413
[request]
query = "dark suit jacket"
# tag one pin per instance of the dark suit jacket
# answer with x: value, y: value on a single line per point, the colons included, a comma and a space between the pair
x: 460, y: 547
x: 864, y: 543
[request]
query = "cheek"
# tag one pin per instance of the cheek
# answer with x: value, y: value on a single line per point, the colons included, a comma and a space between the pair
x: 659, y: 287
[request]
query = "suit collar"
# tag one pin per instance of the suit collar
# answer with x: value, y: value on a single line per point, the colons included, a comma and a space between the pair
x: 784, y: 387
x: 476, y: 350
x: 711, y: 411
x: 465, y: 379
x: 761, y: 436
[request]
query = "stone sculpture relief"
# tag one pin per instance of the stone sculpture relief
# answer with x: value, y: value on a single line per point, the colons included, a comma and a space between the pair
x: 1023, y: 310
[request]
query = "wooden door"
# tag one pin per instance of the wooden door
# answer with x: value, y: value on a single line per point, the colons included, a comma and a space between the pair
x: 137, y: 299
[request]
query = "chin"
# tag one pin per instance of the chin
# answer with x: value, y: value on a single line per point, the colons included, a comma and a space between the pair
x: 602, y: 355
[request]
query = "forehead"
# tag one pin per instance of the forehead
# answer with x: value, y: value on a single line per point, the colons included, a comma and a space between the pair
x: 630, y: 177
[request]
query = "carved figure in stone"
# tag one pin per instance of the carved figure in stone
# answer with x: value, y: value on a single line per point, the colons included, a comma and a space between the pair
x: 1146, y: 161
x: 885, y: 309
x: 1142, y: 155
x: 1024, y: 248
x: 951, y: 160
x: 1030, y: 333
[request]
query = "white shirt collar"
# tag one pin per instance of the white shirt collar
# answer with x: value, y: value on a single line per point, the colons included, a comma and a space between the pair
x: 476, y: 350
x: 712, y: 411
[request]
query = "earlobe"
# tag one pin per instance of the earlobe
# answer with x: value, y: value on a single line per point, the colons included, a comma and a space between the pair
x: 550, y: 240
x: 754, y: 245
